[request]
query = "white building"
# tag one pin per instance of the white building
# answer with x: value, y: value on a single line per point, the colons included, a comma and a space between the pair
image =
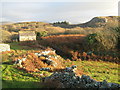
x: 27, y: 35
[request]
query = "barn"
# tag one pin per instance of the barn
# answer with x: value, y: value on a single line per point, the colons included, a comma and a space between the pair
x: 27, y: 35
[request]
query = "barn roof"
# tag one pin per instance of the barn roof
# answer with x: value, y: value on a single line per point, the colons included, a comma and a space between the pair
x: 27, y: 33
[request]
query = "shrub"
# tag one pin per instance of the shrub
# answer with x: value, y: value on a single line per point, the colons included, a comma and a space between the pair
x: 105, y: 39
x: 43, y: 33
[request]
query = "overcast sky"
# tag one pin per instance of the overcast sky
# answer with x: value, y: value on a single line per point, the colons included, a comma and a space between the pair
x: 73, y: 11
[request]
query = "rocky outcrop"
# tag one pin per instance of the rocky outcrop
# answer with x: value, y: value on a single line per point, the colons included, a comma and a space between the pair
x: 43, y: 60
x: 100, y: 21
x: 68, y: 79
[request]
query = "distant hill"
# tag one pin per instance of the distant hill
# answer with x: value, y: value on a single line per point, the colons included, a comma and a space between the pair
x: 94, y: 22
x: 54, y: 27
x: 100, y: 21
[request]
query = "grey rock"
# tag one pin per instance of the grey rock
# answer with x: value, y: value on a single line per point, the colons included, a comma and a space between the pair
x: 70, y: 80
x: 74, y: 66
x: 44, y: 69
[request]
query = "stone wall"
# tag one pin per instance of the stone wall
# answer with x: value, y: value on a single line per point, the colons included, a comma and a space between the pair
x: 4, y: 47
x: 27, y: 38
x: 69, y: 79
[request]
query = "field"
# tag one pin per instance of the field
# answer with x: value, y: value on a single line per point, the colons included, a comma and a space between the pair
x: 13, y: 77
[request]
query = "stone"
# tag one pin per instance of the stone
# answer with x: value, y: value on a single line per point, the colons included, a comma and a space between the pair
x: 46, y: 56
x: 45, y: 69
x: 19, y: 62
x: 45, y: 52
x: 38, y: 54
x: 70, y: 80
x: 70, y: 69
x: 50, y: 62
x: 74, y: 66
x: 23, y: 59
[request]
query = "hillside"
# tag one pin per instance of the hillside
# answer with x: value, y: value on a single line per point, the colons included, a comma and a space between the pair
x: 100, y: 21
x: 94, y: 25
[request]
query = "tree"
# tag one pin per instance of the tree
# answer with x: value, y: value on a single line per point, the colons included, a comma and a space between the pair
x: 42, y: 34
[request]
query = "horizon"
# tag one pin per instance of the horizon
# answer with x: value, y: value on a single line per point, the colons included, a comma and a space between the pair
x: 49, y: 12
x: 49, y: 22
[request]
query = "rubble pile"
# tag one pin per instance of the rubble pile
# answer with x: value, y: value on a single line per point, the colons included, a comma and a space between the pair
x: 38, y: 61
x: 68, y: 79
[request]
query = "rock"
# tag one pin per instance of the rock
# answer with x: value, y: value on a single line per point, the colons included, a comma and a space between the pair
x: 45, y: 52
x: 50, y: 62
x: 38, y: 54
x: 70, y: 69
x: 46, y: 56
x: 19, y: 62
x: 70, y: 80
x: 74, y: 66
x: 23, y: 59
x: 45, y: 69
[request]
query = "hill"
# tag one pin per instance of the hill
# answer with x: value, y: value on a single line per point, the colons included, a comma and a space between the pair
x: 100, y: 21
x: 60, y: 27
x: 94, y: 25
x: 94, y: 22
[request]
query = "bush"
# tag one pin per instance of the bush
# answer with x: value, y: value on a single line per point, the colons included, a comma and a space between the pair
x: 42, y: 33
x: 107, y: 39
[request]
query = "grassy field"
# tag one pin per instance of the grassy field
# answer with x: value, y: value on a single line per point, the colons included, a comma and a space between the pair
x: 15, y: 78
x: 98, y: 70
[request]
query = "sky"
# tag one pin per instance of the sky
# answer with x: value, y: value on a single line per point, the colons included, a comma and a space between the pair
x: 73, y: 11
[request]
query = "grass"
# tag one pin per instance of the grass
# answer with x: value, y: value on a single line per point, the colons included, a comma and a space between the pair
x: 15, y: 46
x: 20, y: 84
x: 14, y: 78
x: 98, y: 70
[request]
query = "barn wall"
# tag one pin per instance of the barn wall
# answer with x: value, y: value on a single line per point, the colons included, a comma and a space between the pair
x: 27, y: 38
